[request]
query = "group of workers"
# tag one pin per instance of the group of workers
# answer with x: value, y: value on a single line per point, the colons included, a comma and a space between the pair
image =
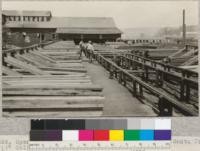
x: 87, y: 49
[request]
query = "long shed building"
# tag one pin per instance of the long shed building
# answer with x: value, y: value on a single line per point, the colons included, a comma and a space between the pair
x: 42, y: 26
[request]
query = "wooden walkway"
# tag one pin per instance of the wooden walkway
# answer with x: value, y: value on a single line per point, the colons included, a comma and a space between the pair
x: 118, y: 100
x: 49, y: 82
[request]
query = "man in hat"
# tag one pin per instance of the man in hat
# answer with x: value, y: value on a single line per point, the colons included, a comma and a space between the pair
x: 90, y: 50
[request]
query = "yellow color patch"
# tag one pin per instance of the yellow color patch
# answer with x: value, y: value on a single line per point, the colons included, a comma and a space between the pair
x: 116, y: 135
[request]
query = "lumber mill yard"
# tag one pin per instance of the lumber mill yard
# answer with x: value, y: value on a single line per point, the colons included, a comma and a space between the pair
x: 44, y: 74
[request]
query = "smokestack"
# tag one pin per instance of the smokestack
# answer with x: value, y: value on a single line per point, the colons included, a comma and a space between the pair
x: 184, y: 28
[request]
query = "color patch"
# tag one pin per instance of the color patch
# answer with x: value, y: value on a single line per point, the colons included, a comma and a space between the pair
x: 37, y: 135
x: 134, y: 124
x: 85, y: 135
x: 70, y: 135
x: 162, y: 124
x: 146, y: 135
x: 53, y: 135
x: 116, y: 135
x: 131, y: 135
x: 162, y: 135
x: 147, y: 124
x: 101, y: 135
x: 37, y: 124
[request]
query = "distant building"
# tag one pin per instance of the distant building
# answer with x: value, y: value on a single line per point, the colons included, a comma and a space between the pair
x: 41, y: 26
x: 97, y: 29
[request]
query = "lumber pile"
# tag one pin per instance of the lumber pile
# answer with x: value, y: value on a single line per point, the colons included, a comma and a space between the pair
x: 185, y: 57
x: 43, y: 84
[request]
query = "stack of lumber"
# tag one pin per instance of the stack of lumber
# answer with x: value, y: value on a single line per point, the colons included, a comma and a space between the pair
x: 61, y: 45
x: 191, y: 61
x: 158, y: 54
x: 42, y: 85
x: 184, y: 57
x: 107, y: 50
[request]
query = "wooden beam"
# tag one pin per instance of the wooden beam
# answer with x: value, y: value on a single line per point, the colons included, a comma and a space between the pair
x: 30, y: 68
x: 9, y: 71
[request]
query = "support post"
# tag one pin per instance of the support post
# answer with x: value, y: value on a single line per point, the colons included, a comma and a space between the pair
x: 141, y: 90
x: 165, y: 107
x: 134, y: 88
x: 182, y: 90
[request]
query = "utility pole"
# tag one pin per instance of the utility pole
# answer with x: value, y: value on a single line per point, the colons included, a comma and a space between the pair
x: 184, y: 28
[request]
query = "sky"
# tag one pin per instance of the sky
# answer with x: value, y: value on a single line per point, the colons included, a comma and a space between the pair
x: 129, y: 14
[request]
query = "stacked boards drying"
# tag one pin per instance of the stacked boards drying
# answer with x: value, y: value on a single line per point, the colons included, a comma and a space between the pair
x: 49, y: 82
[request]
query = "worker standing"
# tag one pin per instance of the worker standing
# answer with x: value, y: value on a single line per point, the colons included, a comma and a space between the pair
x: 90, y: 50
x: 81, y: 45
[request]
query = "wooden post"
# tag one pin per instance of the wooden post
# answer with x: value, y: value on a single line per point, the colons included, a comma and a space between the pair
x: 124, y: 79
x: 3, y: 59
x: 134, y: 88
x: 161, y: 79
x: 182, y: 90
x: 120, y: 76
x: 187, y: 97
x: 165, y: 107
x: 141, y: 90
x: 146, y: 74
x: 111, y: 72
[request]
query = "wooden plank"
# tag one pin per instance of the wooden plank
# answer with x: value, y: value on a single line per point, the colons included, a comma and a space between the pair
x: 40, y: 62
x: 52, y: 114
x: 50, y: 82
x: 38, y: 92
x: 28, y: 60
x: 55, y: 107
x: 40, y: 98
x: 43, y: 56
x: 44, y: 79
x: 30, y: 68
x: 53, y: 87
x: 68, y: 61
x: 63, y: 72
x: 63, y: 69
x: 50, y: 101
x: 75, y: 76
x: 9, y: 71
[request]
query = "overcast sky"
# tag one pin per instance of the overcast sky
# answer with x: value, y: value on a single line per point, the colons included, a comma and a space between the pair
x: 128, y: 14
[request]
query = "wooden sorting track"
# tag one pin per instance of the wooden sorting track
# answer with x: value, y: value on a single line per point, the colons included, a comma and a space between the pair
x: 165, y: 103
x: 48, y: 80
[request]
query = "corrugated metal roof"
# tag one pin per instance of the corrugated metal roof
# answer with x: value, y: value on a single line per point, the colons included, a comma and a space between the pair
x: 84, y: 25
x: 83, y: 22
x: 26, y: 13
x: 88, y: 30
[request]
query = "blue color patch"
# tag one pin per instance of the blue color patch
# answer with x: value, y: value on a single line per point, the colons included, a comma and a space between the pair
x: 147, y: 135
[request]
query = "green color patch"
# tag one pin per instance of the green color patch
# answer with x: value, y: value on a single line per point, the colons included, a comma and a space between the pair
x: 131, y: 135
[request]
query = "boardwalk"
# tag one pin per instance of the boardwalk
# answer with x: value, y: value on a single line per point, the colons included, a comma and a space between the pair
x: 53, y: 81
x: 119, y: 101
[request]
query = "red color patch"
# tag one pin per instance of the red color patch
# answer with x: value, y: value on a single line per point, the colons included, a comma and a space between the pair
x: 101, y: 135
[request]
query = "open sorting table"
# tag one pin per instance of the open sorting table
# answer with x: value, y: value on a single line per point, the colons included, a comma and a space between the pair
x: 48, y: 80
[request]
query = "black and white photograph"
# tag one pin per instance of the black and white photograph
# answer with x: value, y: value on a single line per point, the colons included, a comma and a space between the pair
x: 65, y: 59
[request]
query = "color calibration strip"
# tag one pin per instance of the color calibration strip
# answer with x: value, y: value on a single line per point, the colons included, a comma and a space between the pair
x: 100, y: 130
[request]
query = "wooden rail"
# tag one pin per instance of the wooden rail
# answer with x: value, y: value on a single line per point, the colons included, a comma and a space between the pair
x: 165, y: 103
x: 162, y: 74
x: 26, y: 49
x: 184, y: 72
x: 13, y: 52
